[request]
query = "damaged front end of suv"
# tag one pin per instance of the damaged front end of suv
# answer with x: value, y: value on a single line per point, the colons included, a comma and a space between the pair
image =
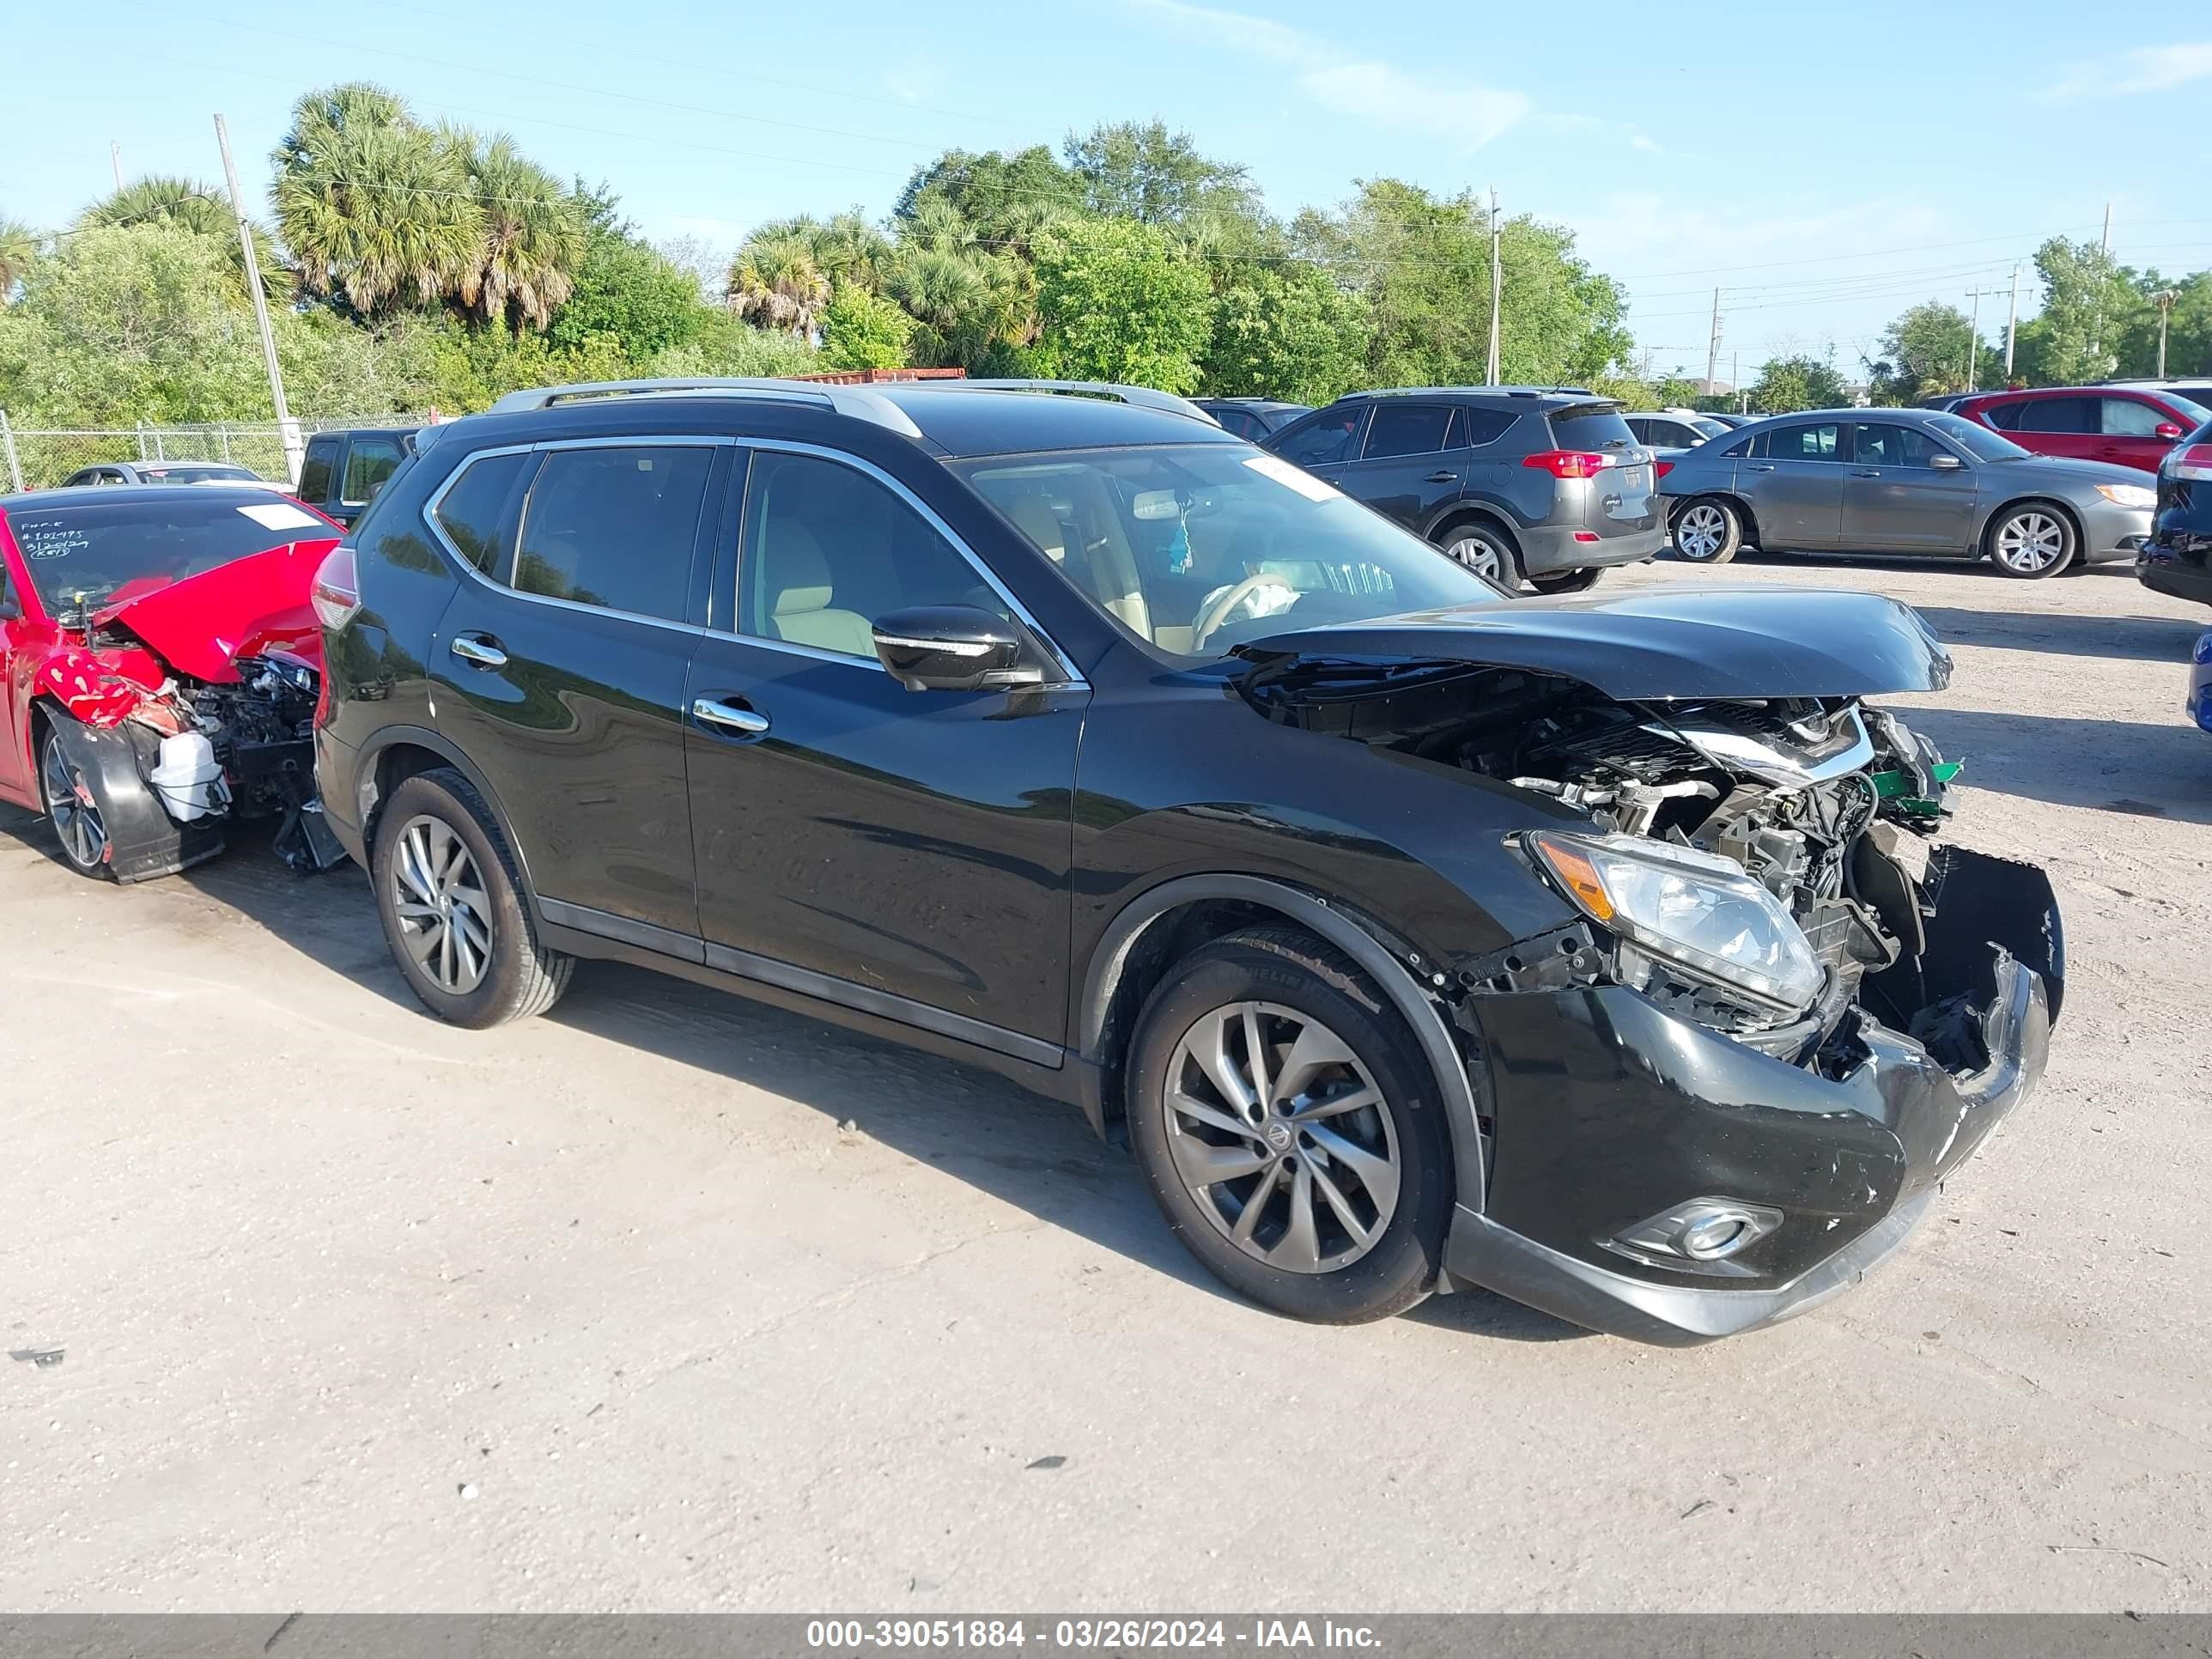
x: 1778, y: 1012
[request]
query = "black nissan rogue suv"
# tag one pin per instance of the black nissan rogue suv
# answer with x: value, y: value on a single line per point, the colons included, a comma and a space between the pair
x: 1596, y: 951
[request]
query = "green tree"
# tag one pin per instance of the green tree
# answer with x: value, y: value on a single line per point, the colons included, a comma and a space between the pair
x: 1786, y: 384
x: 532, y: 234
x: 1117, y: 304
x: 193, y: 205
x: 861, y: 330
x: 2088, y: 307
x: 376, y: 208
x: 625, y: 290
x: 2188, y: 326
x: 776, y: 281
x: 1141, y: 171
x: 19, y: 252
x: 1286, y: 333
x: 1924, y: 352
x: 1004, y: 198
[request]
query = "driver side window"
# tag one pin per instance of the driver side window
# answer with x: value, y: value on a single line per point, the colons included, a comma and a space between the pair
x: 827, y: 549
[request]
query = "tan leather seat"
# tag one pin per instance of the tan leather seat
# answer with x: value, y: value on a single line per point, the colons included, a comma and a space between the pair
x: 797, y: 579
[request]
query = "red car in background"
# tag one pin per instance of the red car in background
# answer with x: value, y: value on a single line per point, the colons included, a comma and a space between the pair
x: 2120, y: 424
x: 160, y: 667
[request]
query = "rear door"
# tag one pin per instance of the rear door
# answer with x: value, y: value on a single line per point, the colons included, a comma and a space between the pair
x: 1894, y: 497
x: 559, y: 671
x: 2069, y: 424
x: 1794, y: 480
x: 1412, y: 462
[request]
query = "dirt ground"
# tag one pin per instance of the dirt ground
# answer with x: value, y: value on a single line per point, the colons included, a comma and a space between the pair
x: 671, y: 1301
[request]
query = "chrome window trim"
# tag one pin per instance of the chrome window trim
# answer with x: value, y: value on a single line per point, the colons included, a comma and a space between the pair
x: 468, y: 568
x: 1069, y: 680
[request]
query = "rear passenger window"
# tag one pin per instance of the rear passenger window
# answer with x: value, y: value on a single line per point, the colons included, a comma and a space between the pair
x: 1803, y: 443
x: 469, y: 511
x: 615, y: 527
x: 315, y: 472
x: 2059, y: 415
x: 1408, y: 429
x: 1326, y: 437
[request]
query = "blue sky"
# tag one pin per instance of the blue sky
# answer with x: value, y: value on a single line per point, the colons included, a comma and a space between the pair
x: 1825, y: 167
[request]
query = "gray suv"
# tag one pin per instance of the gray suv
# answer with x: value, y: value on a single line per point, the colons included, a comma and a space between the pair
x: 1541, y: 484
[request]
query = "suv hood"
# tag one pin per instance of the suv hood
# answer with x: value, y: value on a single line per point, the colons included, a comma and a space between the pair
x: 202, y: 624
x: 1738, y: 643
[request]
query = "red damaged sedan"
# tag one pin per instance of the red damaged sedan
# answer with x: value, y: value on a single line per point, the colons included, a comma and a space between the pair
x: 160, y: 663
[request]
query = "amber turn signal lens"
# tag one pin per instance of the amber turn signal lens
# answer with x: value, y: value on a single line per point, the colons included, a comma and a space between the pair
x: 1577, y: 875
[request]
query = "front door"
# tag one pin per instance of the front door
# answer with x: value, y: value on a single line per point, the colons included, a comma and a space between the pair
x: 2136, y: 433
x: 1897, y: 497
x: 1323, y: 442
x: 1413, y: 465
x: 560, y: 674
x: 905, y: 852
x: 1794, y: 480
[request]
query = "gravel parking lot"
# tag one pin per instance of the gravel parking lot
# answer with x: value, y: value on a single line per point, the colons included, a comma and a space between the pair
x: 671, y: 1301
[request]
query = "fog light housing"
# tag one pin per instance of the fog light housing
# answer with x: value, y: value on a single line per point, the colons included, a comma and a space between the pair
x: 1703, y: 1235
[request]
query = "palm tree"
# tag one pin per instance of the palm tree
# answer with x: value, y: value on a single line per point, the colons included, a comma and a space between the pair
x: 533, y: 233
x: 850, y: 249
x: 775, y: 281
x: 190, y: 205
x: 19, y: 252
x: 375, y: 207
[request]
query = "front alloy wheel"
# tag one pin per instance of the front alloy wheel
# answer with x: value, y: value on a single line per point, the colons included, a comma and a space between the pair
x: 1278, y: 1132
x: 2031, y: 542
x: 445, y: 918
x: 74, y: 810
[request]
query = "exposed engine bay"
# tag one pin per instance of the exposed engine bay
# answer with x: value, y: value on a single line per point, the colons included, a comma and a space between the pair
x: 1827, y: 806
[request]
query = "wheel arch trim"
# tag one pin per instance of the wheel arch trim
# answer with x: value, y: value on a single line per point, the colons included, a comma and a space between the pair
x: 1359, y: 938
x: 367, y: 798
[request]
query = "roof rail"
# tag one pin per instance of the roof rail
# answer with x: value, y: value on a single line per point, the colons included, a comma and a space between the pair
x: 862, y: 402
x: 1141, y: 397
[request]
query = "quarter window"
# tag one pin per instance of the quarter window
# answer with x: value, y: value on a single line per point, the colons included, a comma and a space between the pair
x: 1324, y: 438
x: 368, y: 463
x: 472, y: 510
x: 1408, y: 429
x: 615, y: 527
x: 828, y: 549
x: 315, y: 472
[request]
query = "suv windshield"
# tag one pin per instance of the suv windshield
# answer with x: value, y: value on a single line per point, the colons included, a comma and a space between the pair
x: 1975, y: 439
x: 1195, y: 547
x: 82, y: 557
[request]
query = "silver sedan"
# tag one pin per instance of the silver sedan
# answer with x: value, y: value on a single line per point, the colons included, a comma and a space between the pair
x: 1901, y: 481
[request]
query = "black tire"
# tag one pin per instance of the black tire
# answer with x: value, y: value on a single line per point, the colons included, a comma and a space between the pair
x: 79, y: 827
x: 1721, y: 526
x: 1476, y: 543
x: 1290, y: 971
x: 2041, y: 526
x: 519, y: 977
x: 1569, y: 581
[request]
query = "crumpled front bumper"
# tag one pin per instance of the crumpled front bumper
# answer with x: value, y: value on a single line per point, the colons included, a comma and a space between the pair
x: 1608, y: 1110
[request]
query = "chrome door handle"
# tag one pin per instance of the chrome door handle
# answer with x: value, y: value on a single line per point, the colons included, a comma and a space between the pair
x: 1759, y: 466
x: 476, y: 648
x: 1442, y: 477
x: 1866, y: 472
x: 730, y: 717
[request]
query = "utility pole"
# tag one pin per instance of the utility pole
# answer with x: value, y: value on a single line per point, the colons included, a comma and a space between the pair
x: 1736, y: 383
x: 288, y: 429
x: 2105, y: 246
x: 1713, y: 346
x: 2163, y: 299
x: 115, y: 160
x: 2012, y: 321
x: 1974, y: 341
x: 1497, y: 289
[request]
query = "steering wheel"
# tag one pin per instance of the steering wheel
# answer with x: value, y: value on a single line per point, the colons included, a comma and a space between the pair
x: 1217, y: 613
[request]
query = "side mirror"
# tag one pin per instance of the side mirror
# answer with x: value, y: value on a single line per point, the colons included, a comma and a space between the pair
x: 951, y: 647
x: 2169, y: 431
x: 1943, y: 463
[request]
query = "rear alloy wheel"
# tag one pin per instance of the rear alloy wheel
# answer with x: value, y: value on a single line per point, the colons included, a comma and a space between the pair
x: 73, y: 809
x: 2031, y: 542
x: 1486, y: 551
x: 1708, y: 532
x: 1289, y: 1130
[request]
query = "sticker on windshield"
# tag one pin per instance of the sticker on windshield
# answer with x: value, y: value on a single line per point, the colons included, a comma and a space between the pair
x: 1275, y: 467
x: 277, y: 515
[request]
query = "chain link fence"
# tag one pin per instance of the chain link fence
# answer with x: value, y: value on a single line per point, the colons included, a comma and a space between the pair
x: 41, y: 458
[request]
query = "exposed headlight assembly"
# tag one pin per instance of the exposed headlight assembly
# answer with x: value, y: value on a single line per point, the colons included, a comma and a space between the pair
x: 2129, y: 495
x: 1699, y: 911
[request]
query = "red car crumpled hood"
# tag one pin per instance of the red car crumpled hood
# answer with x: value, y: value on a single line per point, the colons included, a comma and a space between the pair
x: 202, y: 624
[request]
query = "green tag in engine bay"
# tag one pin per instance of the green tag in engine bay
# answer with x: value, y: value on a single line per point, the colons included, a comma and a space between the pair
x: 1892, y: 786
